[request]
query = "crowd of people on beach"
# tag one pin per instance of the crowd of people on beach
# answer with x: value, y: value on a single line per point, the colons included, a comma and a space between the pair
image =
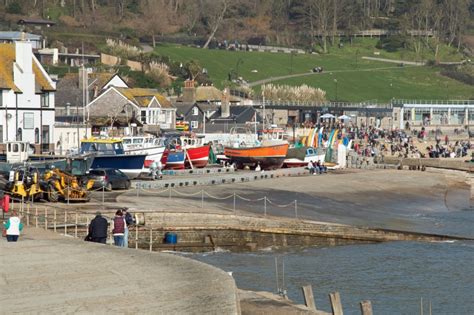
x: 408, y: 143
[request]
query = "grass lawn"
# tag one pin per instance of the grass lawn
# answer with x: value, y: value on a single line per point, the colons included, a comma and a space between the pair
x: 383, y: 85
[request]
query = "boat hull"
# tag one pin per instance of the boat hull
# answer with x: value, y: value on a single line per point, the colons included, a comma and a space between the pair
x: 199, y: 157
x: 130, y: 165
x: 174, y: 160
x: 153, y: 154
x: 269, y: 157
x: 298, y: 157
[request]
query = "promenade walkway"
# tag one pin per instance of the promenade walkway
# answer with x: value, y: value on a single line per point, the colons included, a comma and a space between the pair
x: 49, y: 273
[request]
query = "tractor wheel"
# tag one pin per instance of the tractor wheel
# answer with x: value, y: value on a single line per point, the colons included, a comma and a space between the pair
x: 52, y: 194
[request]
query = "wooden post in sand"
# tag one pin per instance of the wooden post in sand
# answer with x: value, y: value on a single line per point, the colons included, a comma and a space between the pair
x: 309, y: 297
x: 336, y: 304
x: 471, y: 182
x: 366, y: 308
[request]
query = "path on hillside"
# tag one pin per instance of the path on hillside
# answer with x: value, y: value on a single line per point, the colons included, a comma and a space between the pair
x: 296, y: 75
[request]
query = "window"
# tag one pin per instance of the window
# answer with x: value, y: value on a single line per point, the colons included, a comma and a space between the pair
x: 45, y: 137
x: 28, y: 120
x: 194, y: 124
x: 45, y: 100
x: 18, y: 134
x: 1, y: 98
x: 143, y: 116
x: 195, y: 111
x: 37, y: 136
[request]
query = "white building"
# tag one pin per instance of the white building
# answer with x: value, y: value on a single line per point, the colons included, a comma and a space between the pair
x: 26, y: 98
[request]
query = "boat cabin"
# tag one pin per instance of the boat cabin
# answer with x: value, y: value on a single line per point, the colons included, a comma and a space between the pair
x: 17, y: 151
x: 132, y: 143
x: 100, y: 146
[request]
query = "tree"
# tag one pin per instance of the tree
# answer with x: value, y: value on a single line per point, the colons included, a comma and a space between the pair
x: 214, y: 15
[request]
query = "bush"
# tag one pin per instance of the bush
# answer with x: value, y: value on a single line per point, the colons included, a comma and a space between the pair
x: 393, y: 43
x: 14, y: 8
x: 458, y: 76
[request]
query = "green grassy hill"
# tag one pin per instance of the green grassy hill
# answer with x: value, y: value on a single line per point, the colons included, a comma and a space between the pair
x: 357, y: 79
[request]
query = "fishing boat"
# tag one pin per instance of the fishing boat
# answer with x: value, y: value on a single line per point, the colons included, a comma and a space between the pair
x: 109, y: 153
x: 270, y: 154
x: 298, y: 157
x: 173, y: 159
x: 151, y: 146
x: 197, y: 154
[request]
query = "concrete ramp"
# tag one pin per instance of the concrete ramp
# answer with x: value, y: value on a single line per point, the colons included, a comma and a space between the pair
x: 49, y: 273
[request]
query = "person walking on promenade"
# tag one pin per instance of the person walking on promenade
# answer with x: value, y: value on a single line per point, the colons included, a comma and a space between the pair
x: 311, y: 167
x: 128, y: 222
x: 98, y: 229
x: 118, y: 228
x: 13, y: 227
x: 446, y: 140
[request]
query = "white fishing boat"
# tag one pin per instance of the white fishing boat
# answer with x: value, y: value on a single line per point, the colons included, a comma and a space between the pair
x: 151, y: 146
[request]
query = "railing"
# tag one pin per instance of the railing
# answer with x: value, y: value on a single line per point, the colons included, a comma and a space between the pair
x: 342, y: 105
x: 431, y: 102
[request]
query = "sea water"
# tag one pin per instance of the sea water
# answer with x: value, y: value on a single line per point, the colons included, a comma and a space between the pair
x: 394, y: 276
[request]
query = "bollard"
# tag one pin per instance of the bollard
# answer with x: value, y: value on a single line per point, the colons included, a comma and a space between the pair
x: 202, y: 198
x: 336, y: 304
x: 265, y: 206
x: 234, y: 202
x: 65, y: 222
x: 75, y: 227
x: 28, y: 216
x: 54, y: 221
x: 136, y: 236
x: 309, y: 297
x: 36, y: 217
x: 151, y: 239
x: 366, y: 308
x: 45, y: 218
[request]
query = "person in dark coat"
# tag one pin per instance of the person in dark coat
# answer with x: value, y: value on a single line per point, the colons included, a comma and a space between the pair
x: 98, y: 229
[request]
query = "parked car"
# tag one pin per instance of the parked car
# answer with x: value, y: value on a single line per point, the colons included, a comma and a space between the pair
x: 109, y: 178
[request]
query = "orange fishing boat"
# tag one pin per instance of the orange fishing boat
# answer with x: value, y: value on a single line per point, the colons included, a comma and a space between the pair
x: 269, y: 155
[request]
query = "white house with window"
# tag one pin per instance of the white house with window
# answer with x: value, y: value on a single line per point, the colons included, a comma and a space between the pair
x: 26, y: 98
x: 121, y: 107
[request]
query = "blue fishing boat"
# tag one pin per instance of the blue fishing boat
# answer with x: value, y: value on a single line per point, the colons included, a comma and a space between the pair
x: 109, y: 153
x: 173, y: 160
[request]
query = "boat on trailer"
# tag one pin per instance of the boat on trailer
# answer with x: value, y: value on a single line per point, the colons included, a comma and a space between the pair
x: 109, y: 153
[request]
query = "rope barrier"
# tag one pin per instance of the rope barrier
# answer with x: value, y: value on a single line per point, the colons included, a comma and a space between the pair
x: 219, y: 198
x: 155, y: 192
x: 250, y: 200
x: 187, y: 195
x: 280, y: 206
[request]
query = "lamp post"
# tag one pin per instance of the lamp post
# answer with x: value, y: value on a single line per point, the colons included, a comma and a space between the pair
x: 335, y: 82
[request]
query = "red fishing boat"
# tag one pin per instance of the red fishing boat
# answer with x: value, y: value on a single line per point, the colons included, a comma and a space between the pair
x: 269, y: 155
x: 196, y: 154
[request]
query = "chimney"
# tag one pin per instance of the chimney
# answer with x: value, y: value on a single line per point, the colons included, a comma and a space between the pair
x: 225, y: 104
x: 189, y: 92
x: 24, y: 56
x: 83, y: 79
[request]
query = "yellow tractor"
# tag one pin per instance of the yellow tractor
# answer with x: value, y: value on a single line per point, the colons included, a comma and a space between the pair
x: 59, y: 184
x: 24, y: 184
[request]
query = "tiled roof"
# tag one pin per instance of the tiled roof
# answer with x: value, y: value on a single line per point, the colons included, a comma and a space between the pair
x: 12, y: 35
x: 143, y: 97
x: 7, y: 58
x: 208, y: 93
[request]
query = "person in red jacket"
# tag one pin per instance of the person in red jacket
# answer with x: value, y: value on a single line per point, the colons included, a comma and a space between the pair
x: 118, y: 228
